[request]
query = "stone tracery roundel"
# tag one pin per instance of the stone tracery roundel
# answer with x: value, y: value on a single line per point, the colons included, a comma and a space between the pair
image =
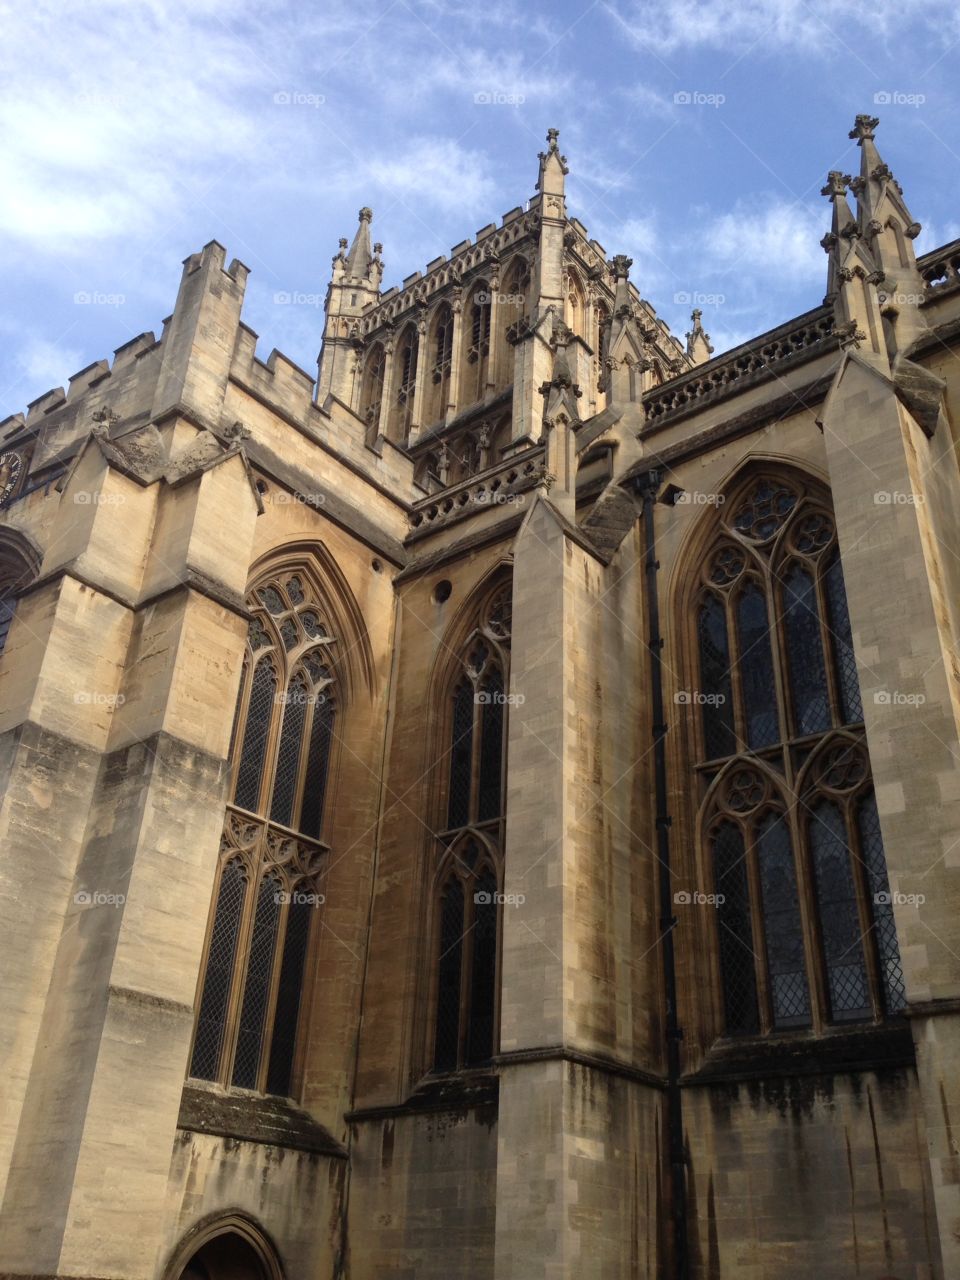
x: 765, y: 509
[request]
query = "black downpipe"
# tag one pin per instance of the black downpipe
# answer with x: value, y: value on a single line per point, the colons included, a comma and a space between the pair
x: 649, y: 487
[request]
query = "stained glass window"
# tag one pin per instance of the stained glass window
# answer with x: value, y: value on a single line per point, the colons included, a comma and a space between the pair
x: 841, y: 934
x: 218, y: 978
x: 756, y: 668
x: 808, y: 680
x: 447, y: 1046
x: 246, y: 1030
x: 783, y: 931
x: 256, y: 732
x: 484, y: 968
x: 806, y: 930
x: 736, y: 932
x: 715, y: 688
x: 461, y: 756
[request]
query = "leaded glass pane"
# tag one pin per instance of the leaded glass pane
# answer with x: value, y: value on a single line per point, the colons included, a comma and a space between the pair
x: 491, y: 746
x: 284, y: 1039
x: 7, y: 607
x: 288, y: 755
x: 838, y: 618
x: 295, y: 589
x: 888, y: 948
x: 484, y: 975
x: 447, y: 1039
x: 256, y: 988
x: 715, y: 689
x: 839, y: 918
x: 764, y: 510
x: 289, y: 633
x: 461, y: 756
x: 272, y: 599
x: 218, y: 977
x: 318, y: 767
x: 737, y: 967
x: 783, y: 930
x: 255, y: 733
x: 756, y: 668
x: 808, y: 679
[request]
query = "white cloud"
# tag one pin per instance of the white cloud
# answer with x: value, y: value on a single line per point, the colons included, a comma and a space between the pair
x: 816, y: 26
x: 780, y: 238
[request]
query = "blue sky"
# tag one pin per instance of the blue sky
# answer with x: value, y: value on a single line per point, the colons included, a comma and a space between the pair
x: 135, y: 132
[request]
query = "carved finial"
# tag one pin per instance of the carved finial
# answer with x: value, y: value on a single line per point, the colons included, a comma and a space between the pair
x: 620, y: 266
x: 837, y: 184
x: 553, y: 139
x: 366, y: 215
x: 863, y: 127
x: 236, y: 432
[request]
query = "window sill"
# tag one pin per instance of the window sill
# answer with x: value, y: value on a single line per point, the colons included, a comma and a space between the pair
x: 253, y: 1117
x: 461, y: 1091
x: 800, y: 1053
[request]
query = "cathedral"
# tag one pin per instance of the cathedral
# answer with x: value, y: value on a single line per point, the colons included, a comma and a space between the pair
x: 492, y: 809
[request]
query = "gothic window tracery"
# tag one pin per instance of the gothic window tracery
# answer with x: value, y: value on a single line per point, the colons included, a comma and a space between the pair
x: 371, y: 389
x: 271, y: 858
x: 804, y: 929
x: 477, y: 343
x: 406, y: 358
x: 465, y: 1003
x: 441, y: 357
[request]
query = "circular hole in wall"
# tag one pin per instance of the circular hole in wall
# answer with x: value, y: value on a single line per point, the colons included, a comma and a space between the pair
x: 376, y: 566
x: 441, y: 591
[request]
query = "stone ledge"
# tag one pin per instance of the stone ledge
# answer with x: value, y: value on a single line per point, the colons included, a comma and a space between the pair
x: 465, y: 1091
x: 275, y: 1122
x: 801, y: 1054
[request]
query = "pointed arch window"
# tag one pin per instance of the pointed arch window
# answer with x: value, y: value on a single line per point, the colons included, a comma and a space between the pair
x: 477, y: 344
x: 406, y: 358
x: 268, y: 890
x: 371, y: 386
x: 512, y: 307
x: 467, y: 903
x: 804, y: 929
x: 441, y: 354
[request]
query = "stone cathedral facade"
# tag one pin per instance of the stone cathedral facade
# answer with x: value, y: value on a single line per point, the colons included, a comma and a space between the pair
x: 491, y: 811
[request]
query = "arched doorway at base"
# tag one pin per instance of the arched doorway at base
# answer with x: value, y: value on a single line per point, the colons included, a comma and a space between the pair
x: 232, y: 1248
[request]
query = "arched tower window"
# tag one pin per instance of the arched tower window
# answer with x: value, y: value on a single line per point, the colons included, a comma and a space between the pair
x: 441, y: 354
x: 574, y: 304
x: 267, y: 894
x: 371, y: 386
x: 467, y: 903
x: 476, y: 339
x: 405, y: 357
x: 805, y: 934
x: 19, y: 565
x: 514, y: 304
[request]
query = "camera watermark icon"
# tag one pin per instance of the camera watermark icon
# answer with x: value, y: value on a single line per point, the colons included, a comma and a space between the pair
x: 92, y: 698
x: 495, y: 698
x: 496, y: 98
x: 298, y: 898
x: 97, y: 898
x: 85, y: 498
x: 894, y: 498
x: 895, y: 698
x: 294, y: 298
x: 298, y: 697
x: 697, y: 98
x: 297, y: 98
x: 484, y: 899
x: 691, y: 498
x: 694, y: 898
x: 897, y: 98
x: 694, y: 698
x: 893, y: 898
x: 87, y: 298
x: 685, y: 298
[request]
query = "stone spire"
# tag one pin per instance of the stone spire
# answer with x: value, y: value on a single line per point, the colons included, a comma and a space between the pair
x: 852, y: 274
x: 885, y: 221
x: 625, y: 347
x: 698, y: 343
x: 553, y: 167
x: 354, y: 286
